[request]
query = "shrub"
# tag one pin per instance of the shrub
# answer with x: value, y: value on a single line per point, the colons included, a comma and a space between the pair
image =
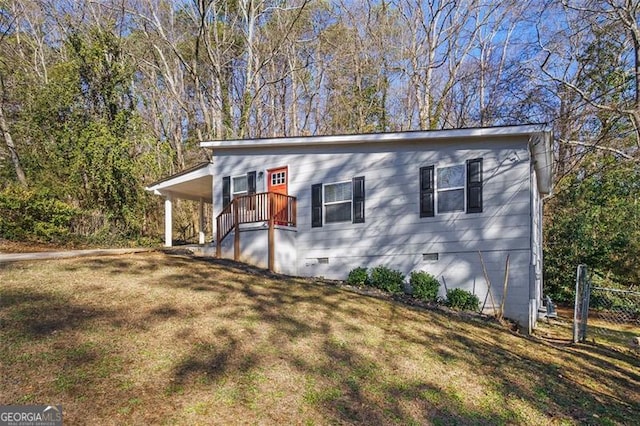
x: 425, y: 286
x: 358, y: 276
x: 29, y: 214
x: 462, y: 299
x: 387, y: 279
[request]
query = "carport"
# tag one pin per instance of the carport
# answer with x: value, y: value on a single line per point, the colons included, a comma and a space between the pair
x: 195, y: 184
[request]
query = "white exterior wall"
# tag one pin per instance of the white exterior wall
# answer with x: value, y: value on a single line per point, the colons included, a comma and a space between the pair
x: 393, y: 234
x: 254, y: 247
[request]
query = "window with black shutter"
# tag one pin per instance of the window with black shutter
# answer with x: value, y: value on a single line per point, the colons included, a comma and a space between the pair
x: 448, y: 189
x: 235, y: 186
x: 338, y: 202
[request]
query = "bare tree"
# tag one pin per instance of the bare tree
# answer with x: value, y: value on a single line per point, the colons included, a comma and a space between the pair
x: 595, y: 55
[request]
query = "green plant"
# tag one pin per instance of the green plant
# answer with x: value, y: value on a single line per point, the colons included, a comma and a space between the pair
x: 425, y: 286
x: 462, y: 299
x: 358, y: 276
x: 387, y: 279
x: 31, y: 214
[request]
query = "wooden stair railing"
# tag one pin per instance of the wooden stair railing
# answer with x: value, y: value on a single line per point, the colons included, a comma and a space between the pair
x: 271, y: 207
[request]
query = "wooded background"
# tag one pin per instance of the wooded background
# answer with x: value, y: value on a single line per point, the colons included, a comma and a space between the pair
x: 99, y: 98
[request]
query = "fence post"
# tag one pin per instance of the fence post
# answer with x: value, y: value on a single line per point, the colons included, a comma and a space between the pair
x: 581, y: 306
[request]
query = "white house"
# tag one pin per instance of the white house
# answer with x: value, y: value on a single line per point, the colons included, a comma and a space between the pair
x: 423, y: 200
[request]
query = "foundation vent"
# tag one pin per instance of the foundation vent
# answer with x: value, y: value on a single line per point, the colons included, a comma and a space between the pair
x: 430, y: 257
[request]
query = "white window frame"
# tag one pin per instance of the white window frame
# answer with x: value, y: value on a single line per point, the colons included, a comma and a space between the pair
x: 437, y: 189
x: 275, y: 175
x: 235, y: 194
x: 325, y: 203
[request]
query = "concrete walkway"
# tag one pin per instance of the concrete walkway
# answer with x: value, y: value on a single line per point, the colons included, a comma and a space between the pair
x: 44, y: 255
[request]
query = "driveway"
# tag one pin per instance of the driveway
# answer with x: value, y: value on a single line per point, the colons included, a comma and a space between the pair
x: 44, y: 255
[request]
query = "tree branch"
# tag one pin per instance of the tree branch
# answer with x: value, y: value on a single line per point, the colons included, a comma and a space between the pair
x: 599, y: 147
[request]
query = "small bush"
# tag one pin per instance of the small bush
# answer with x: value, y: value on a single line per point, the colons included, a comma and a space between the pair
x: 425, y: 286
x: 27, y: 214
x: 462, y: 299
x: 387, y: 279
x: 358, y: 276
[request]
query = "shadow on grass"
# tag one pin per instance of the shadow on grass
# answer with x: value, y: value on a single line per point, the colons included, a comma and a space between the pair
x: 33, y: 315
x: 346, y: 378
x: 348, y: 386
x: 54, y: 324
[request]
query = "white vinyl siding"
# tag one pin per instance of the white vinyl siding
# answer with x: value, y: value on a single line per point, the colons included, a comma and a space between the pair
x: 394, y: 234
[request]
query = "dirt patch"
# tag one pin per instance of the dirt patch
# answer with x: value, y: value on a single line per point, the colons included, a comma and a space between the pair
x: 7, y: 246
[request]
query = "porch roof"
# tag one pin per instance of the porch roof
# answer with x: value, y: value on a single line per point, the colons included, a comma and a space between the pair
x: 194, y: 184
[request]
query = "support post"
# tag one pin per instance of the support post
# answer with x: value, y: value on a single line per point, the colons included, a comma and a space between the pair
x: 236, y: 233
x: 271, y: 236
x: 168, y: 220
x: 214, y: 222
x: 201, y: 222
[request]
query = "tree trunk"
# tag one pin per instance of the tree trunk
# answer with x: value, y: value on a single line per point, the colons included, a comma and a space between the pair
x: 635, y: 114
x: 15, y: 159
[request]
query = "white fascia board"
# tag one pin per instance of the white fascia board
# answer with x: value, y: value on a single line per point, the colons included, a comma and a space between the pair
x: 377, y: 137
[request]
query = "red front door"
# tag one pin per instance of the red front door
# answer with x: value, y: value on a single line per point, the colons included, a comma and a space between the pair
x: 277, y: 180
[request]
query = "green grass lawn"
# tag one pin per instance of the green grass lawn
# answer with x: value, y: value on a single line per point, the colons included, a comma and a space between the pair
x: 154, y: 338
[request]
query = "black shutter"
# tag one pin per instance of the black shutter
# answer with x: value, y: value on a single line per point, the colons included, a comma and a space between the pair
x: 316, y: 205
x: 474, y: 186
x: 358, y: 199
x: 426, y: 192
x: 251, y: 183
x: 226, y: 191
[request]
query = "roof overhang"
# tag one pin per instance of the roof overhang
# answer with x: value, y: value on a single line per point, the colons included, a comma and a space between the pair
x: 191, y: 184
x: 423, y: 135
x: 540, y: 137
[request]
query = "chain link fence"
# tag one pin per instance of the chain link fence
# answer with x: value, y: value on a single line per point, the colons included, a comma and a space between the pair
x: 614, y: 306
x: 612, y: 315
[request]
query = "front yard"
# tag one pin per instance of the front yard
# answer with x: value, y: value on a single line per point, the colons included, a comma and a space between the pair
x: 154, y: 338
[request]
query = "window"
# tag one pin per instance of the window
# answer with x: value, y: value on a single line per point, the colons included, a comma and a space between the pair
x: 456, y: 188
x: 450, y: 186
x: 239, y: 186
x: 279, y: 178
x: 236, y: 186
x: 337, y: 202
